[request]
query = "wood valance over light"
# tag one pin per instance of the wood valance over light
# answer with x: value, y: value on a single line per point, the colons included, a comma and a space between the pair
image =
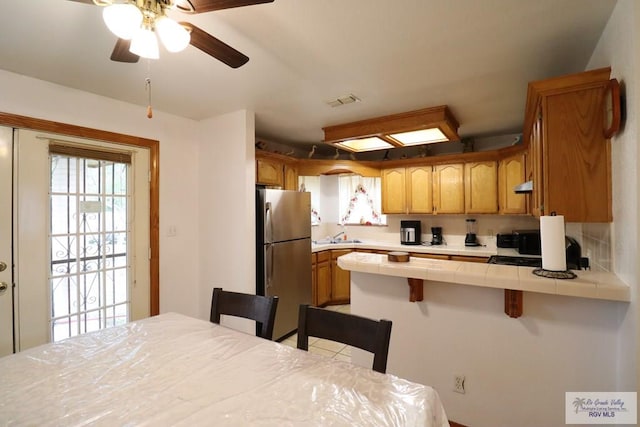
x: 426, y: 126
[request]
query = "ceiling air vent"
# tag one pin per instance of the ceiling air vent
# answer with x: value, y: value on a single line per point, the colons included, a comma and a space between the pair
x: 342, y: 100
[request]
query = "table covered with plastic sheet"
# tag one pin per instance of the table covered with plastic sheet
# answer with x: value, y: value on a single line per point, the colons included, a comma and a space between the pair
x: 176, y: 370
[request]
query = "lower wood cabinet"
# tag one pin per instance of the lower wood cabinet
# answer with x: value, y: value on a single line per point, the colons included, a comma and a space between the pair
x: 322, y: 289
x: 331, y: 284
x: 340, y: 279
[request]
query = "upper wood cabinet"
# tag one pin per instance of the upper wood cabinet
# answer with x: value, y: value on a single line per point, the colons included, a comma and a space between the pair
x: 448, y: 189
x: 481, y: 187
x: 511, y: 172
x: 407, y: 190
x: 570, y: 156
x: 394, y: 195
x: 276, y: 171
x: 269, y: 172
x: 290, y: 177
x: 419, y: 190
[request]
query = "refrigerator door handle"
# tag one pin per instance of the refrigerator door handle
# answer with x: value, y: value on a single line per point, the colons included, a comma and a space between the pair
x: 268, y: 231
x: 269, y: 267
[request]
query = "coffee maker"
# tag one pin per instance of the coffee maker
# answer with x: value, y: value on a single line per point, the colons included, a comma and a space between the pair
x: 436, y: 235
x: 410, y: 232
x: 470, y: 239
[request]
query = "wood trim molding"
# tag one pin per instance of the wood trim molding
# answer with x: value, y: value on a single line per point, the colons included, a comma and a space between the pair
x: 24, y: 122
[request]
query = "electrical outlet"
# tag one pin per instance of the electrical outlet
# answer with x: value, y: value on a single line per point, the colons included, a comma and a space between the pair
x: 458, y: 383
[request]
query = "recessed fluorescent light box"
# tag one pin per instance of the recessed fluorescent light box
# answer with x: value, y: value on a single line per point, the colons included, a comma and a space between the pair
x: 426, y: 126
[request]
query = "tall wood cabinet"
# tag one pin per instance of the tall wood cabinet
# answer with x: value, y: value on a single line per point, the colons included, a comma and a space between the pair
x: 570, y: 158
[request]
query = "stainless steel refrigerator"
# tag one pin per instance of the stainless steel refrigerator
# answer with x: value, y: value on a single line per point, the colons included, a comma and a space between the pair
x: 283, y: 253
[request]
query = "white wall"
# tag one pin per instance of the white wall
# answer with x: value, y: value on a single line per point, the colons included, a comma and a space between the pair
x: 226, y: 188
x: 618, y: 48
x: 517, y: 370
x: 179, y: 152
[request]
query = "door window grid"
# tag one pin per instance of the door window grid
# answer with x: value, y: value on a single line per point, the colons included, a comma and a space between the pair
x: 90, y: 268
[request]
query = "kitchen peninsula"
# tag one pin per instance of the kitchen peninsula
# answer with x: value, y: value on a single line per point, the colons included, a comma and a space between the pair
x: 459, y: 329
x: 588, y: 284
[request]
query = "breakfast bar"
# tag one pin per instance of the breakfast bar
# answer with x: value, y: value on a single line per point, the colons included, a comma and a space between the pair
x: 588, y: 284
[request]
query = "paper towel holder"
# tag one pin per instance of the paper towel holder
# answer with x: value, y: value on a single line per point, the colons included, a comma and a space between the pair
x: 553, y: 274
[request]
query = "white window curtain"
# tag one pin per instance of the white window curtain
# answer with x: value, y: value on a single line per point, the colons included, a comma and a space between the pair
x: 360, y: 200
x: 312, y: 185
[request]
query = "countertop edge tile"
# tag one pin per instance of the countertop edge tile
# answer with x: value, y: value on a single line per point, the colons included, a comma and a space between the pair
x: 598, y: 285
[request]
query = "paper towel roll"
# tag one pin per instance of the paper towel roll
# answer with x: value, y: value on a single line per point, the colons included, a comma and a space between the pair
x: 554, y: 257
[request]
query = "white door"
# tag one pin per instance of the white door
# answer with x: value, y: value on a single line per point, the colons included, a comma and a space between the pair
x: 6, y: 280
x: 81, y: 231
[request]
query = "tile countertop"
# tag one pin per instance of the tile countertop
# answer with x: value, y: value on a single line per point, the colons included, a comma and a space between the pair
x: 588, y: 284
x: 479, y: 251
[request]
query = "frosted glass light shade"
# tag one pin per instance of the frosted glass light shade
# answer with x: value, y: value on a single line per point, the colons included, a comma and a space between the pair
x: 424, y: 136
x: 123, y: 20
x: 174, y: 36
x: 365, y: 144
x: 145, y: 44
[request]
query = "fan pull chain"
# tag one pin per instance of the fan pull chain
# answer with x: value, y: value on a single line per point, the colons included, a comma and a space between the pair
x: 148, y: 88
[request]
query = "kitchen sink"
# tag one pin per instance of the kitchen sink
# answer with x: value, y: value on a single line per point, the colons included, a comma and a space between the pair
x: 335, y: 241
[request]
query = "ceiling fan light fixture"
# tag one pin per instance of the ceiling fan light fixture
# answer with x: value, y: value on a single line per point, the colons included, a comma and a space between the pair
x: 145, y: 44
x: 174, y: 36
x: 122, y: 19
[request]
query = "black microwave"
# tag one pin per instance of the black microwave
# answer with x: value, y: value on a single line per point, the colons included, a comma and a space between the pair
x: 527, y: 242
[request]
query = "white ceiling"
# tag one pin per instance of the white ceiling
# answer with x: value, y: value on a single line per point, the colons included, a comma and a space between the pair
x: 476, y: 56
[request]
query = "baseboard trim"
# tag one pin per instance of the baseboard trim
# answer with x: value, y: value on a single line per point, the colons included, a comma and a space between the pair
x: 454, y: 424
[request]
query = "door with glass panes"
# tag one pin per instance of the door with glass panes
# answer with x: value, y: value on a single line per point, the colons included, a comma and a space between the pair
x: 81, y: 236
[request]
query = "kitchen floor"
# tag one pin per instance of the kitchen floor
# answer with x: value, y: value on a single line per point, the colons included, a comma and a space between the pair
x: 332, y: 349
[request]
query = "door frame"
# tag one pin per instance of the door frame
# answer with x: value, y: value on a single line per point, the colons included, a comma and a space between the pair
x: 153, y: 145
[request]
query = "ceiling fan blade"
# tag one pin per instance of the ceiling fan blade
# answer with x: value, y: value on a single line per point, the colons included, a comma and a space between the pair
x: 201, y: 6
x: 214, y: 47
x: 121, y: 52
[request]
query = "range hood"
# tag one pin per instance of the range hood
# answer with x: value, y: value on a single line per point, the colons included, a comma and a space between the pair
x: 525, y: 187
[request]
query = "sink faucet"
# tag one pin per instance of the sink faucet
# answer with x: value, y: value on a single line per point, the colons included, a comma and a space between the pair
x: 337, y: 235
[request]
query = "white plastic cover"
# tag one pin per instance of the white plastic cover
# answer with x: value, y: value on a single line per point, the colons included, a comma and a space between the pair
x: 175, y: 370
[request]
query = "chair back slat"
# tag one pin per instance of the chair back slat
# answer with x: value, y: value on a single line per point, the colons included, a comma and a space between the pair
x: 255, y: 307
x: 357, y: 331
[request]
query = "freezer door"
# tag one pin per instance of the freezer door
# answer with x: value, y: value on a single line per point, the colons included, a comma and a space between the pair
x: 287, y: 215
x: 288, y: 276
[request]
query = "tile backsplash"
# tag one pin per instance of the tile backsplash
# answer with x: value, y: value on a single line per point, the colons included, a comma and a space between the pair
x: 596, y: 245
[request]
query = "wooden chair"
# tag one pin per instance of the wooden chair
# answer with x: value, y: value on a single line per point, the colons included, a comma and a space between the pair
x: 255, y: 307
x: 367, y: 334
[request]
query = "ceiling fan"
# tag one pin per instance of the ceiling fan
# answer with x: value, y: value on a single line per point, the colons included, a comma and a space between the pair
x: 136, y: 23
